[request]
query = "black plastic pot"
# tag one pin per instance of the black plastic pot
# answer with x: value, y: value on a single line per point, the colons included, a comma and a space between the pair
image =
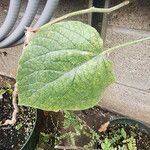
x: 132, y: 122
x: 128, y: 121
x: 32, y: 140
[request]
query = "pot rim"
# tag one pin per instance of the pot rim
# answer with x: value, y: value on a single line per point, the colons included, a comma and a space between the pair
x: 130, y: 121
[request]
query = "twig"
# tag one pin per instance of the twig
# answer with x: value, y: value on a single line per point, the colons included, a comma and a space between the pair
x: 72, y: 147
x: 125, y: 45
x: 85, y: 11
x: 14, y: 114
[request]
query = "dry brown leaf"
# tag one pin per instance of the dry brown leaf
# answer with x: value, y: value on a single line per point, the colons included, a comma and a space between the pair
x: 30, y: 29
x: 104, y: 127
x: 29, y: 33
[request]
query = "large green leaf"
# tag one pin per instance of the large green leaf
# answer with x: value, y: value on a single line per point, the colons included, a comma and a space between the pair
x: 63, y: 68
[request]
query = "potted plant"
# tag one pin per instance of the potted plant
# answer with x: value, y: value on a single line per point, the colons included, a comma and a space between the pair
x: 64, y: 68
x: 125, y: 134
x: 20, y: 132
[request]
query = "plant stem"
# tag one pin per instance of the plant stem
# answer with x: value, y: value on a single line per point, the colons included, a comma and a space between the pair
x: 72, y: 147
x: 110, y: 50
x: 85, y: 11
x: 14, y: 102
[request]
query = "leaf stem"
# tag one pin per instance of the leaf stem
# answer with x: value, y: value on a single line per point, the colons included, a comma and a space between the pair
x: 85, y: 11
x: 110, y: 50
x: 72, y: 147
x: 16, y: 109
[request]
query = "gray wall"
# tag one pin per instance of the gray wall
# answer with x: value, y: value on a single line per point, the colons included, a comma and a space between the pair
x: 130, y: 95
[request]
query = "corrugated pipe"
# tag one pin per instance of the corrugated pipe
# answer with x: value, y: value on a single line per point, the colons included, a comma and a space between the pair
x: 45, y: 16
x: 11, y: 18
x: 27, y: 19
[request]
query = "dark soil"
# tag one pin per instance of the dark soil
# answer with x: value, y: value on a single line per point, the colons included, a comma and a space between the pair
x: 14, y: 137
x: 141, y: 137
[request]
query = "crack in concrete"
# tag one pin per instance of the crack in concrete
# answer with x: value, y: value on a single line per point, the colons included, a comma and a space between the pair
x: 144, y: 90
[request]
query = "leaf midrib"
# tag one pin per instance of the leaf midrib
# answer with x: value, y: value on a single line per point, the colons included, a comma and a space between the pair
x: 58, y: 50
x: 75, y: 68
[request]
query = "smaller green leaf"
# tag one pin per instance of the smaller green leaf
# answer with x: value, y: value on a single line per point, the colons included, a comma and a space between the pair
x: 107, y: 145
x: 2, y: 91
x: 8, y: 85
x: 44, y: 137
x: 70, y: 120
x: 19, y: 126
x: 123, y: 133
x: 132, y: 144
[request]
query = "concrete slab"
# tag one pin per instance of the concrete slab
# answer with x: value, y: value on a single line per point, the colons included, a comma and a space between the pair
x: 66, y: 6
x: 9, y: 60
x: 130, y: 95
x: 135, y: 16
x: 128, y: 101
x: 131, y: 64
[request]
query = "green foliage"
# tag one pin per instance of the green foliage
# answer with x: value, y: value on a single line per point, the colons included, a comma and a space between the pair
x: 2, y: 91
x: 75, y: 128
x: 19, y: 126
x: 79, y: 127
x: 123, y: 133
x: 119, y: 136
x: 94, y: 137
x: 8, y: 88
x: 107, y: 145
x: 63, y: 68
x: 131, y: 143
x: 44, y: 137
x: 70, y: 120
x: 45, y: 140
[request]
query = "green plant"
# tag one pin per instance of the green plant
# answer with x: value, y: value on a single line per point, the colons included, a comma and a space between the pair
x: 2, y: 91
x: 107, y: 145
x: 19, y: 126
x: 44, y: 137
x: 7, y: 88
x: 66, y: 72
x: 126, y: 141
x: 71, y: 121
x: 65, y: 67
x: 78, y: 127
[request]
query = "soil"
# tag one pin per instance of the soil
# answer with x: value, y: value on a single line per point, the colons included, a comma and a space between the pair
x: 14, y: 137
x: 141, y: 137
